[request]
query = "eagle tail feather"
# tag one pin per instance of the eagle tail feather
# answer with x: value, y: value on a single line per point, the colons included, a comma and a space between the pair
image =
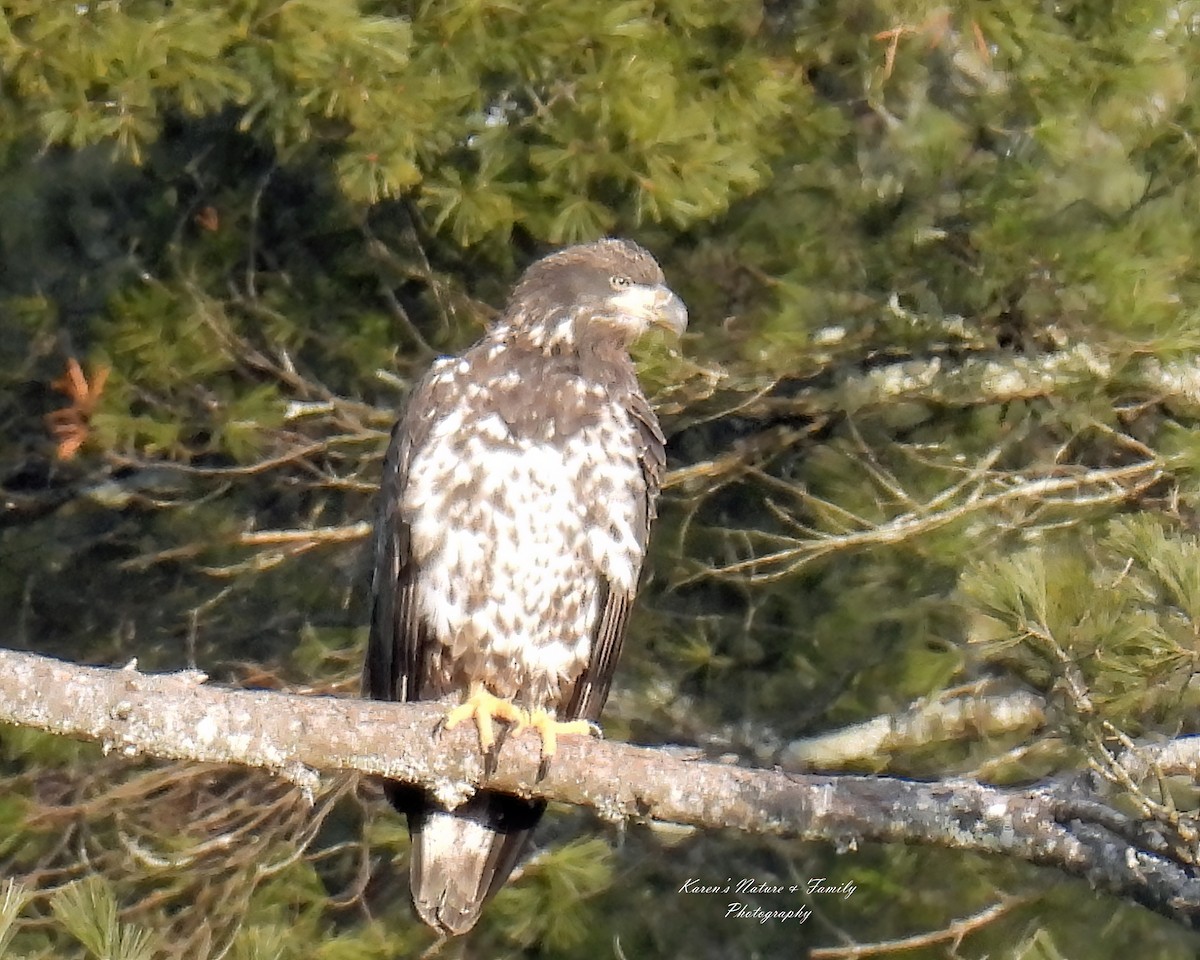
x: 461, y: 858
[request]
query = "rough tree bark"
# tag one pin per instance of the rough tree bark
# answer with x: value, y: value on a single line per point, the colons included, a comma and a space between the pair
x: 177, y: 716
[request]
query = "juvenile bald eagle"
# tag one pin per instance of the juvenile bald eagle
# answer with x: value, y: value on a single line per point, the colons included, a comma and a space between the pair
x: 516, y: 501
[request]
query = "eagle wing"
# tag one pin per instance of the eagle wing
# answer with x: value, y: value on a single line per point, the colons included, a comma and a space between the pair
x: 399, y: 642
x: 591, y: 689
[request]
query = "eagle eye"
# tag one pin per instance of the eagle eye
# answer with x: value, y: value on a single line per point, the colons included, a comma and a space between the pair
x: 619, y: 282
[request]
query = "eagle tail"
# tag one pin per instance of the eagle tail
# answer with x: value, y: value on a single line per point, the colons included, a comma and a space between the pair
x: 460, y: 858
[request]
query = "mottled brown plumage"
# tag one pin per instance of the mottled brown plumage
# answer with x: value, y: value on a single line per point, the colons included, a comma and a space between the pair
x: 516, y: 501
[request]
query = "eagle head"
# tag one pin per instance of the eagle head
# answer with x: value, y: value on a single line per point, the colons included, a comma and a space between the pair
x: 593, y: 292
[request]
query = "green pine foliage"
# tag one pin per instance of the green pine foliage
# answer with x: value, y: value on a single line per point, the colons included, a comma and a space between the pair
x: 89, y: 911
x: 13, y: 898
x: 553, y: 907
x: 1118, y: 614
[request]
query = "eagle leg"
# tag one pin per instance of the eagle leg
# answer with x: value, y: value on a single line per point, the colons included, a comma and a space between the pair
x: 483, y: 707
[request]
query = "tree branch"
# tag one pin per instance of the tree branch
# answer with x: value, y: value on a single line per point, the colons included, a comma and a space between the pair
x: 176, y: 716
x: 957, y: 718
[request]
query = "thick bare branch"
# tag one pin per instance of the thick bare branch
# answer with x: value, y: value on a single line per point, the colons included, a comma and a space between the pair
x: 177, y: 716
x: 957, y: 718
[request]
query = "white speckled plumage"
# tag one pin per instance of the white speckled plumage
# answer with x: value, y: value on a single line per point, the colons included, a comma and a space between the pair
x: 522, y: 521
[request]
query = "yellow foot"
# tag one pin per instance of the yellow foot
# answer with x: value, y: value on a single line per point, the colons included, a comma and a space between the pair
x: 484, y: 707
x: 550, y: 730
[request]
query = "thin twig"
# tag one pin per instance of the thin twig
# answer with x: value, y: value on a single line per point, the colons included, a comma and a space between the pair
x: 1041, y: 491
x: 954, y: 932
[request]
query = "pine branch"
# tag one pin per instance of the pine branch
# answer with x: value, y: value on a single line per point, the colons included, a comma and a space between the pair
x: 176, y: 716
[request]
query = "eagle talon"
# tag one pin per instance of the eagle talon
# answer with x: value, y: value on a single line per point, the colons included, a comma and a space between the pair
x: 491, y: 761
x: 483, y: 707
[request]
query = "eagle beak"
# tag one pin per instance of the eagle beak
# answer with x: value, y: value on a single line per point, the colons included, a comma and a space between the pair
x: 668, y: 311
x: 646, y: 304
